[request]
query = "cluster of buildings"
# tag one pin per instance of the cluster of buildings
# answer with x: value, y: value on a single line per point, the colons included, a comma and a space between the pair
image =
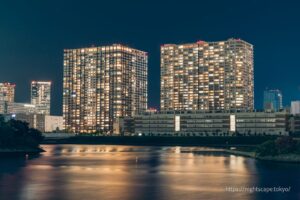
x: 212, y: 123
x: 207, y: 88
x: 37, y: 112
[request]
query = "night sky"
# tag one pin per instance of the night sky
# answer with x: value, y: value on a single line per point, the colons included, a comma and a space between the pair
x: 33, y: 34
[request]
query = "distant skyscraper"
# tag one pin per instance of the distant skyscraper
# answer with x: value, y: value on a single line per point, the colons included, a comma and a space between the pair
x: 7, y: 96
x: 295, y: 107
x: 208, y: 76
x: 101, y: 84
x: 272, y: 100
x: 41, y: 96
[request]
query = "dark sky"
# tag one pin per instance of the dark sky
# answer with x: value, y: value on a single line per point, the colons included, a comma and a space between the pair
x: 33, y: 34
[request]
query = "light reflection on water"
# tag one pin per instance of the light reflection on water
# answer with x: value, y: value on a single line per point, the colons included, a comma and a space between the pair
x: 132, y: 172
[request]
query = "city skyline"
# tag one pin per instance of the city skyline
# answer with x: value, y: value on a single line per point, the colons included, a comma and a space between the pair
x: 155, y: 100
x: 40, y: 55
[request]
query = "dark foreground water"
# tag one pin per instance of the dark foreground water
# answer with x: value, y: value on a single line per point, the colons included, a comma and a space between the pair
x: 91, y: 172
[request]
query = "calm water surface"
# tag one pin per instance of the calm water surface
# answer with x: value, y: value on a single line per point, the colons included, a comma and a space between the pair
x: 91, y: 172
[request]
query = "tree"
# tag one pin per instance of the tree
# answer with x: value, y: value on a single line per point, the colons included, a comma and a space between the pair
x: 14, y: 133
x: 282, y: 145
x: 267, y: 148
x: 285, y: 144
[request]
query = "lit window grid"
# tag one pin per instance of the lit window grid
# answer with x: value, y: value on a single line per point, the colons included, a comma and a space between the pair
x: 41, y: 96
x: 7, y: 96
x: 207, y: 76
x: 104, y: 83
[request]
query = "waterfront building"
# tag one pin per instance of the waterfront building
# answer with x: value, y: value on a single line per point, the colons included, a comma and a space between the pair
x: 123, y: 126
x: 41, y: 122
x: 294, y: 124
x: 273, y: 100
x: 34, y: 120
x: 7, y: 96
x: 199, y: 123
x: 207, y: 76
x: 102, y: 84
x: 295, y: 107
x: 41, y: 96
x: 53, y: 123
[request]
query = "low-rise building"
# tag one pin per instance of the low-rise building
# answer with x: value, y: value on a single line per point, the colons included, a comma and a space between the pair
x: 294, y: 124
x: 53, y: 123
x: 197, y: 123
x: 36, y: 121
x: 123, y: 126
x: 42, y: 122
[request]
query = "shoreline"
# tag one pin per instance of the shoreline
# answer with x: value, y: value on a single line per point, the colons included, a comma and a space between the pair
x: 282, y: 158
x: 245, y: 145
x: 222, y: 148
x: 20, y: 151
x: 221, y: 141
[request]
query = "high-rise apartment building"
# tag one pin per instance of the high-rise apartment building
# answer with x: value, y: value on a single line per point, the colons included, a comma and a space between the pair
x: 101, y: 84
x: 7, y: 96
x: 208, y: 76
x: 41, y: 96
x: 272, y: 100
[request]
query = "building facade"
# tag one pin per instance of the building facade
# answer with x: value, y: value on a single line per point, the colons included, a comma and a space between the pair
x: 123, y: 126
x: 53, y: 123
x: 207, y: 76
x: 294, y: 124
x: 41, y: 96
x: 101, y: 84
x: 41, y: 122
x: 25, y: 108
x: 295, y: 107
x: 273, y: 100
x: 197, y: 123
x: 7, y: 96
x: 36, y: 121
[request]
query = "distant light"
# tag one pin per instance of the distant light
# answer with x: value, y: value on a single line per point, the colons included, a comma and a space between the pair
x: 140, y: 134
x: 13, y: 115
x: 200, y: 42
x: 29, y: 105
x: 177, y: 123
